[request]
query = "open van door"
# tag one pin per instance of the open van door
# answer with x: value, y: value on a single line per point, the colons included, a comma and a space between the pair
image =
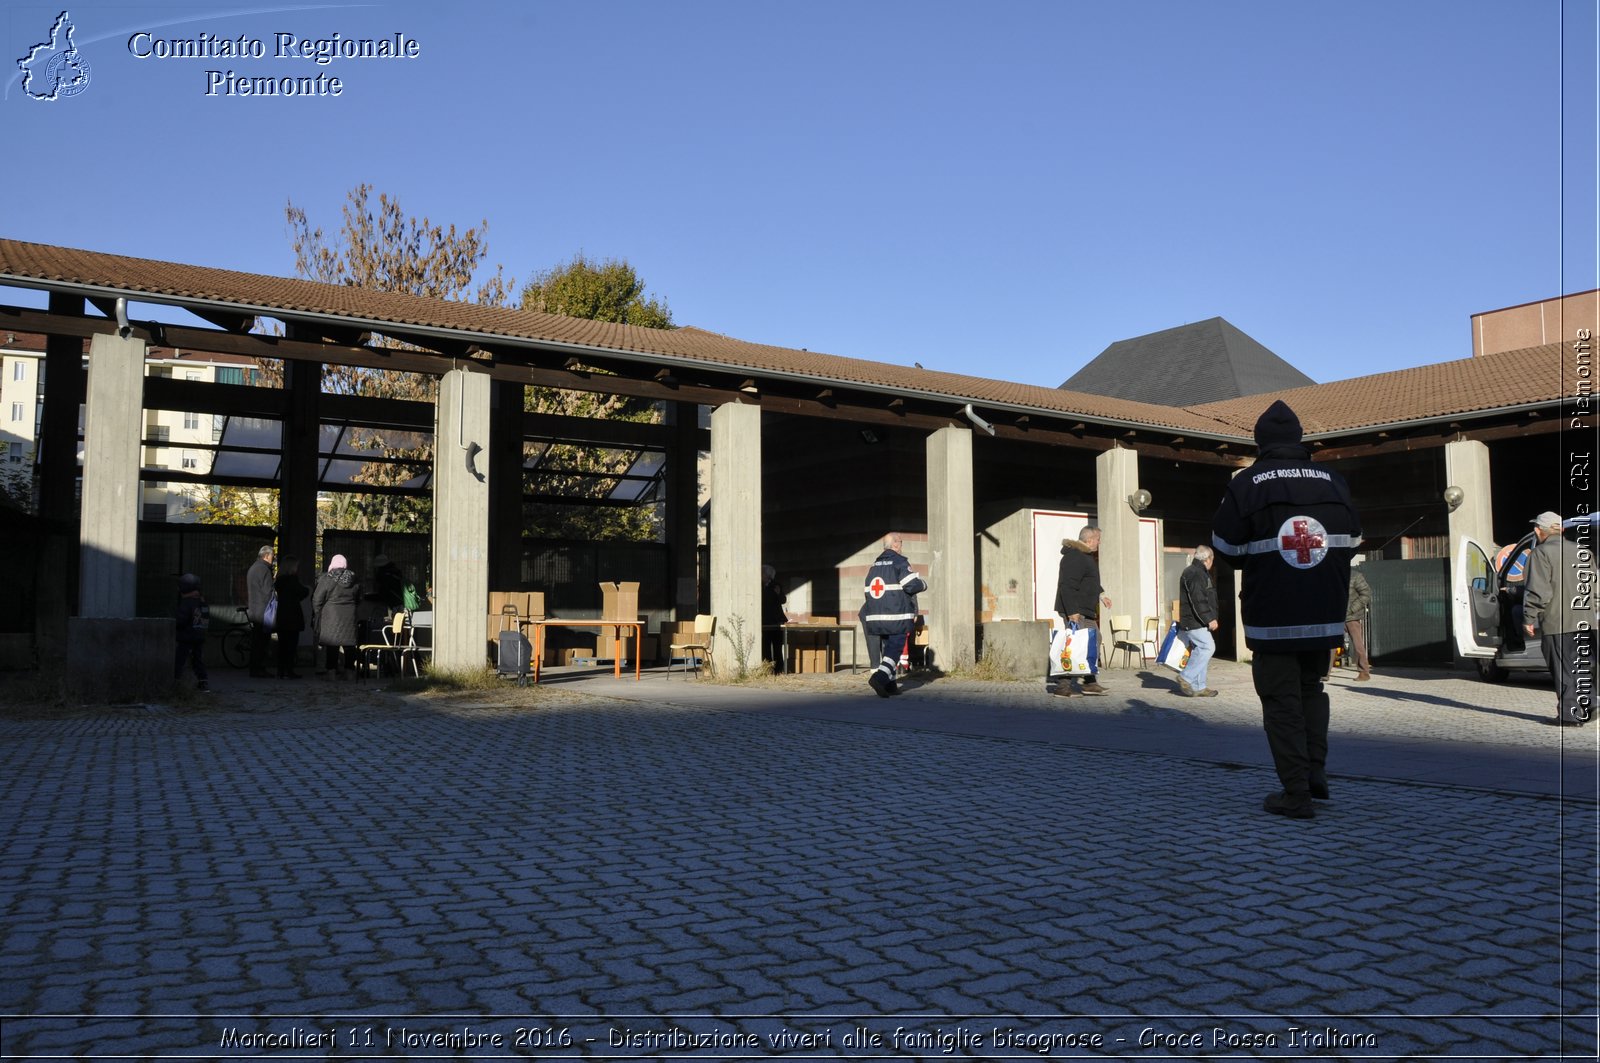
x: 1476, y: 602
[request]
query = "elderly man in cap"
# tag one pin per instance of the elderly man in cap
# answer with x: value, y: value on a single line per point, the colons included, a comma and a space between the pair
x: 1287, y: 522
x: 1559, y: 607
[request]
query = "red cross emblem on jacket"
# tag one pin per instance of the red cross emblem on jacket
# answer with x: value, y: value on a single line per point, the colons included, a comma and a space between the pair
x: 1302, y: 541
x: 876, y: 587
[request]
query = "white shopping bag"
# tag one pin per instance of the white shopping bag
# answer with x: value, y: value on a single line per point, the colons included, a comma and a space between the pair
x: 1074, y: 650
x: 1174, y: 650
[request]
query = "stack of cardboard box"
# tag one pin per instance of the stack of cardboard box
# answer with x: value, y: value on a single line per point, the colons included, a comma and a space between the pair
x: 528, y: 604
x: 814, y: 651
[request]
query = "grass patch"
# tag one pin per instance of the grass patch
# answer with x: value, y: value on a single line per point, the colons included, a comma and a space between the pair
x: 996, y: 666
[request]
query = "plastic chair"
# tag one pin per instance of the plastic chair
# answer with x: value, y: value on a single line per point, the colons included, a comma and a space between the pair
x: 698, y: 647
x: 1121, y: 640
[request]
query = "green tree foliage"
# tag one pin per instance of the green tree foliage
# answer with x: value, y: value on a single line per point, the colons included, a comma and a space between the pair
x: 599, y: 291
x: 603, y: 291
x: 16, y: 480
x: 249, y: 507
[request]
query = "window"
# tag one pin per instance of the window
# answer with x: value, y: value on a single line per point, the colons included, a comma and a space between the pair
x: 191, y: 376
x: 230, y: 374
x: 16, y: 411
x: 19, y: 370
x: 191, y: 421
x: 191, y: 460
x: 155, y: 511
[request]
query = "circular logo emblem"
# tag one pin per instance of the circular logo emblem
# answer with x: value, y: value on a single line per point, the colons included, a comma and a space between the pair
x: 1303, y: 542
x: 67, y: 74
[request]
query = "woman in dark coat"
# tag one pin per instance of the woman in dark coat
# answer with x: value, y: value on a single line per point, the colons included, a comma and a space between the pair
x: 333, y: 611
x: 291, y: 616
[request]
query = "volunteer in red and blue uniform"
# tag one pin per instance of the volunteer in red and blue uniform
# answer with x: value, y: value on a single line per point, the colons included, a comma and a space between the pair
x: 1289, y: 524
x: 889, y: 610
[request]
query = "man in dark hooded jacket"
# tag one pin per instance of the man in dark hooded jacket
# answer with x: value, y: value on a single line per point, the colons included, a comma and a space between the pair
x: 1289, y: 524
x: 1079, y: 595
x: 889, y: 610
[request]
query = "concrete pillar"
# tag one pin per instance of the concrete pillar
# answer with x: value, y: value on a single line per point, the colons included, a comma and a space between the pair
x: 113, y: 426
x: 461, y: 520
x: 952, y: 597
x: 1466, y: 465
x: 736, y: 530
x: 1117, y: 477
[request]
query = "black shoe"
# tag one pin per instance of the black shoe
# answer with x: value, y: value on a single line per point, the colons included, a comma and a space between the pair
x: 880, y: 683
x: 894, y: 688
x: 1293, y: 806
x: 1319, y: 790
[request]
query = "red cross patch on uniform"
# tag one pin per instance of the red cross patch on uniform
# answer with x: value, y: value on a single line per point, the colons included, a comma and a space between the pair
x: 1303, y: 542
x: 876, y: 587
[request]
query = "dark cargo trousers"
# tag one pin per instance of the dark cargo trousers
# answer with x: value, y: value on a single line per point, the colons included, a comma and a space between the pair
x: 1294, y: 713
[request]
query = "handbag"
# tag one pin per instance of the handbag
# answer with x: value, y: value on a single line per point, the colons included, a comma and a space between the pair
x: 1074, y: 650
x: 269, y: 616
x: 1174, y: 650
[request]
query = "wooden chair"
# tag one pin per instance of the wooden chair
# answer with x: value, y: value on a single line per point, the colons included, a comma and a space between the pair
x: 393, y: 643
x: 697, y: 646
x: 1122, y: 640
x: 1150, y: 642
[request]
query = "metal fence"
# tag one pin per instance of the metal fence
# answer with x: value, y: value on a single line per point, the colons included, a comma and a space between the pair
x: 219, y: 554
x: 1410, y: 611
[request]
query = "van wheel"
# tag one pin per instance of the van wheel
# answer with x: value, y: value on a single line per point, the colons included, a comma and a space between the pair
x: 1490, y: 672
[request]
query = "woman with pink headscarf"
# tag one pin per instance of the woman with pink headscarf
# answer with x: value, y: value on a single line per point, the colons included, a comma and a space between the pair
x: 333, y: 612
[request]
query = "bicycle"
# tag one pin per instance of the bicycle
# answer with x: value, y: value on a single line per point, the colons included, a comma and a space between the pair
x: 236, y: 641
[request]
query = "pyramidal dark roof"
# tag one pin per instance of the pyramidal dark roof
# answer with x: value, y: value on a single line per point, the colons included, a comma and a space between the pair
x: 1206, y: 361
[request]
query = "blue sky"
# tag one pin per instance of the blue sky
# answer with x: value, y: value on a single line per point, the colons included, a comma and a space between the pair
x: 1000, y: 189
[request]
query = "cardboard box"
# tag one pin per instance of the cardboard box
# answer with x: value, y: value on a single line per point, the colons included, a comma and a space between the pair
x: 811, y: 651
x: 527, y: 603
x: 619, y: 601
x: 813, y: 660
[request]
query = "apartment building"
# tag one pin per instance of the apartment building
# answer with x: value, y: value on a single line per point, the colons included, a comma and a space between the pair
x: 173, y: 439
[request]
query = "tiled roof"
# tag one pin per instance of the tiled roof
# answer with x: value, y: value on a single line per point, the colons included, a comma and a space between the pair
x: 1468, y: 385
x: 1451, y: 387
x: 1205, y: 361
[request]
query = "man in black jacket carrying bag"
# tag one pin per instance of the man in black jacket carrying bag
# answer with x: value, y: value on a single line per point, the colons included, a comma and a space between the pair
x: 1289, y: 525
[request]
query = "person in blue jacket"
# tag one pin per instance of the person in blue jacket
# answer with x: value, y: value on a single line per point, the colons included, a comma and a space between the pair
x: 889, y: 610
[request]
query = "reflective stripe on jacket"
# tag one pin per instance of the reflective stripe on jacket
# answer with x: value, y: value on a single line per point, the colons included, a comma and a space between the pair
x: 1288, y: 523
x: 889, y: 605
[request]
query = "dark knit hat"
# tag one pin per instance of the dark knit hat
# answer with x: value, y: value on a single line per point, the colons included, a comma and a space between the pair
x: 1277, y: 425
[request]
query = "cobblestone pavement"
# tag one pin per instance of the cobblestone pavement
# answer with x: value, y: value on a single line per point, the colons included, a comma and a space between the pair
x: 794, y: 868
